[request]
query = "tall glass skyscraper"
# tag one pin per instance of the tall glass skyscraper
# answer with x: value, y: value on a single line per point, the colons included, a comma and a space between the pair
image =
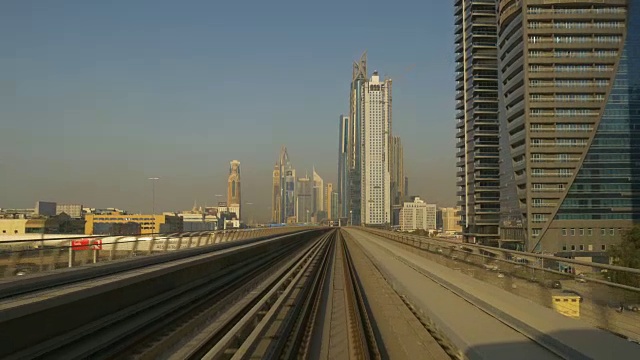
x: 343, y: 166
x: 570, y: 121
x: 477, y: 131
x: 287, y: 188
x: 356, y: 117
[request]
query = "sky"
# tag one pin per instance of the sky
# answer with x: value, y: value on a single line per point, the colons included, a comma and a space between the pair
x: 96, y: 97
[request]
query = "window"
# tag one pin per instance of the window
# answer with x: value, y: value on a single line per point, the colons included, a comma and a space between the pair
x: 564, y: 232
x: 573, y: 232
x: 603, y: 232
x: 573, y: 248
x: 564, y: 247
x: 581, y: 247
x: 589, y: 232
x: 603, y: 247
x: 581, y: 232
x: 612, y: 231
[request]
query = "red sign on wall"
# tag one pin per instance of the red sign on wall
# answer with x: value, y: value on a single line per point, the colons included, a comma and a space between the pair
x: 86, y: 244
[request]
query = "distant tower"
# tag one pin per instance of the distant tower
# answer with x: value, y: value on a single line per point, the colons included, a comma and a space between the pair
x: 397, y: 179
x: 304, y: 199
x: 275, y: 194
x: 233, y: 190
x: 344, y: 166
x: 318, y: 193
x: 328, y: 205
x: 287, y: 188
x: 375, y: 199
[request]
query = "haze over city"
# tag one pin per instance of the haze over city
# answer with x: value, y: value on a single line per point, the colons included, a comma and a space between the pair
x: 97, y: 98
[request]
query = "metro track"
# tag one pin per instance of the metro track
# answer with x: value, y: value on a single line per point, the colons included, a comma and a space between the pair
x: 265, y: 306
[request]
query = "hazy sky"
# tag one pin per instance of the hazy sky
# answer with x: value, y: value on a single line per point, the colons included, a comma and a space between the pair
x: 97, y: 96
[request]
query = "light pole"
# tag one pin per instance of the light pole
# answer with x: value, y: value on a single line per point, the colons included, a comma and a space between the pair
x: 351, y: 217
x: 153, y: 194
x: 307, y: 216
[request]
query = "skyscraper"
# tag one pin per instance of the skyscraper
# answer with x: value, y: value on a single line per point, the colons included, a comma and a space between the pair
x: 356, y: 121
x: 406, y: 188
x: 304, y: 209
x: 477, y: 131
x: 287, y: 188
x: 344, y: 166
x: 233, y: 189
x: 328, y: 201
x: 318, y: 193
x: 375, y: 164
x: 570, y: 120
x: 275, y: 195
x: 397, y: 179
x: 334, y: 205
x: 365, y: 145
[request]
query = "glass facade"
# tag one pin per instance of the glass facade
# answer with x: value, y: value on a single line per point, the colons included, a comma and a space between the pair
x: 607, y: 185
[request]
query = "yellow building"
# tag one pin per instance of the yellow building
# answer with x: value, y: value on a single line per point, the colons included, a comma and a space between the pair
x: 59, y: 224
x: 149, y: 224
x: 451, y: 220
x: 13, y: 226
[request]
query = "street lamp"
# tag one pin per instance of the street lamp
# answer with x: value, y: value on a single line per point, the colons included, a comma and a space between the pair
x: 153, y: 194
x: 351, y: 217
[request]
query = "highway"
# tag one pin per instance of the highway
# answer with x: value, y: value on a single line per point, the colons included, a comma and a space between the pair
x: 322, y: 293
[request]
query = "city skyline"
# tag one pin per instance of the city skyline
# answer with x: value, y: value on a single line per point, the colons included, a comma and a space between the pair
x: 97, y: 114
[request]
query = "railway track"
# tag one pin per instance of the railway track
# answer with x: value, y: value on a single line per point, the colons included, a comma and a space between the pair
x: 282, y: 324
x: 301, y: 299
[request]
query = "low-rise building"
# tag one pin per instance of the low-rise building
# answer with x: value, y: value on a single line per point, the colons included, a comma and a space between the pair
x: 59, y: 224
x: 45, y: 208
x: 193, y: 221
x: 417, y: 215
x: 16, y: 213
x: 149, y: 224
x: 75, y: 211
x: 13, y: 226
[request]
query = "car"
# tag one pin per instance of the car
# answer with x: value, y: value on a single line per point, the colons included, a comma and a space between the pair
x: 571, y: 292
x: 633, y: 307
x: 553, y: 284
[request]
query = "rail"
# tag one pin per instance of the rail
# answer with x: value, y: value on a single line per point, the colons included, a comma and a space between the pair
x: 24, y: 257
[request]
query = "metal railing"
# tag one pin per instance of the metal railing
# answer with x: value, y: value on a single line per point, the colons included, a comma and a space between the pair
x: 23, y: 257
x: 606, y: 296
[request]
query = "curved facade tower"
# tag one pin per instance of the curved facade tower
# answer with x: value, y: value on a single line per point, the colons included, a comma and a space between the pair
x: 570, y: 121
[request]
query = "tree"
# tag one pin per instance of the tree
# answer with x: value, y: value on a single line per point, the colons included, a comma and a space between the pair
x: 627, y: 254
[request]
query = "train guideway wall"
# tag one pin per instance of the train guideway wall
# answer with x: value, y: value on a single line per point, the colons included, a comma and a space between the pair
x: 79, y: 305
x: 427, y: 284
x: 52, y: 251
